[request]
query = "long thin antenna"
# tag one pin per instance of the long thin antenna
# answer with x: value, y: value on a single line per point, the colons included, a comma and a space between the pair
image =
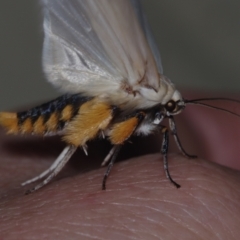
x: 210, y: 106
x: 212, y: 99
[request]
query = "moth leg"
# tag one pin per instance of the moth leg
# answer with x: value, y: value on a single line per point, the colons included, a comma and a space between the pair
x: 49, y: 170
x: 115, y: 150
x: 85, y: 147
x: 108, y: 157
x: 164, y: 151
x: 173, y: 128
x: 58, y: 165
x: 119, y: 133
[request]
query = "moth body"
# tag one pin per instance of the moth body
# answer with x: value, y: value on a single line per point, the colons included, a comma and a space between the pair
x: 102, y: 55
x: 79, y: 119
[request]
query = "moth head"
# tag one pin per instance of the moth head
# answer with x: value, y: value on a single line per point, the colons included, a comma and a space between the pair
x: 175, y: 105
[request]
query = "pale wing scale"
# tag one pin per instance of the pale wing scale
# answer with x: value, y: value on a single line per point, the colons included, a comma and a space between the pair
x: 96, y: 46
x: 148, y: 33
x: 123, y: 40
x: 73, y: 57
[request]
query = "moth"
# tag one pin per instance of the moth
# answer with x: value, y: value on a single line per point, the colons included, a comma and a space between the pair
x: 102, y: 56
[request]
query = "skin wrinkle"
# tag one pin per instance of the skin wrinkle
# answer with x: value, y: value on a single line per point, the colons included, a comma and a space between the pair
x: 133, y: 211
x: 159, y: 200
x: 231, y: 214
x: 140, y: 181
x: 138, y: 233
x: 110, y: 226
x: 179, y: 222
x: 205, y: 205
x: 218, y: 194
x: 76, y: 233
x: 212, y: 180
x: 89, y: 236
x: 225, y: 227
x: 162, y: 226
x: 131, y: 230
x: 197, y: 232
x: 205, y: 226
x: 199, y: 222
x: 212, y: 214
x: 94, y: 225
x: 168, y: 228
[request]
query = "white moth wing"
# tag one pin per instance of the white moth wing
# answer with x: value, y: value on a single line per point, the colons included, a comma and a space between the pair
x: 93, y: 47
x: 148, y: 33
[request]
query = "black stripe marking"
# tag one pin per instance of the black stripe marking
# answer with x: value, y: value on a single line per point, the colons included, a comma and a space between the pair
x: 57, y: 106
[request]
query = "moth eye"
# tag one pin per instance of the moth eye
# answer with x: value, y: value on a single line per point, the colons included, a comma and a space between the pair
x: 171, y: 106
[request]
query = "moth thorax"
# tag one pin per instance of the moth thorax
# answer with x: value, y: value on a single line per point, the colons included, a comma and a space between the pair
x: 163, y: 94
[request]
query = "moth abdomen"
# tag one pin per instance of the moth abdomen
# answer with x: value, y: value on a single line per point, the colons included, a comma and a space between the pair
x: 49, y: 117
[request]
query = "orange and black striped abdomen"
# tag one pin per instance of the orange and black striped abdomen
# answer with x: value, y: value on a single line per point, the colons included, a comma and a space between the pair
x: 47, y: 118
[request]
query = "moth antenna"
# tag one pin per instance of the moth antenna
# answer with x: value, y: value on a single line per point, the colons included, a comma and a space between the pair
x: 212, y: 99
x: 213, y: 107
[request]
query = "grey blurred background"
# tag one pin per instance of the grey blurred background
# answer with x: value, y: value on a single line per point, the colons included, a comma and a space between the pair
x: 198, y: 41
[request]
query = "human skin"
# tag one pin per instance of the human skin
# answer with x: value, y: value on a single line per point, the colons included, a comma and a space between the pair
x: 139, y: 203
